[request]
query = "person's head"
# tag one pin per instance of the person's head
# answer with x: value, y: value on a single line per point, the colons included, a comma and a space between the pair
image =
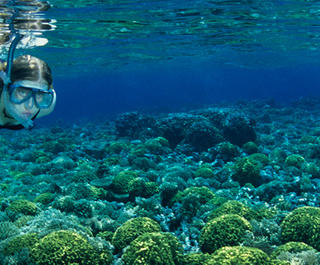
x: 30, y: 89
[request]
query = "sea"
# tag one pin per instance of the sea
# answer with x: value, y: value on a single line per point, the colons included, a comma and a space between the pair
x: 184, y: 133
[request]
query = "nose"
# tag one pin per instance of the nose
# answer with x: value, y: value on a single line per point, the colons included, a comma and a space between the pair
x: 29, y: 104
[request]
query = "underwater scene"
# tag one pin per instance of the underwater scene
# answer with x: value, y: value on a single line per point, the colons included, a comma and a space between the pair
x: 149, y: 132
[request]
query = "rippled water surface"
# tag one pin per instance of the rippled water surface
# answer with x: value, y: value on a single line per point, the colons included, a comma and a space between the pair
x: 112, y: 34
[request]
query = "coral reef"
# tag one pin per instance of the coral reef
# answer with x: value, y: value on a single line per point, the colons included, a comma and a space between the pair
x: 302, y: 225
x: 225, y: 230
x: 153, y: 248
x: 218, y: 185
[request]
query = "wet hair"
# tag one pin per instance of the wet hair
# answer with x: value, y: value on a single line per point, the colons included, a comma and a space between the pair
x: 27, y: 67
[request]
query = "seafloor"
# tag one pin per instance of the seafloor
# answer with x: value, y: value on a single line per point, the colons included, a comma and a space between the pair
x: 226, y: 184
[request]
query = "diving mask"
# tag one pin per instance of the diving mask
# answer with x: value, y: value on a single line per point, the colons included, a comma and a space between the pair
x: 22, y: 91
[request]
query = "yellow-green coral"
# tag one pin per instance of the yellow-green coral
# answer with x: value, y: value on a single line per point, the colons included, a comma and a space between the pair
x: 203, y: 194
x: 302, y: 225
x: 195, y: 259
x: 139, y: 187
x: 23, y: 220
x: 67, y: 247
x: 204, y: 172
x: 239, y: 255
x: 234, y: 207
x: 247, y: 171
x: 157, y: 145
x: 295, y: 160
x: 291, y: 247
x: 121, y: 181
x: 250, y: 147
x: 44, y: 198
x: 153, y: 248
x: 225, y: 230
x: 131, y: 229
x: 117, y: 147
x: 259, y: 158
x: 23, y: 207
x: 19, y: 242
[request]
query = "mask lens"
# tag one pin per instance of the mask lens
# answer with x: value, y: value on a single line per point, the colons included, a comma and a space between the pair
x: 43, y: 99
x: 21, y: 94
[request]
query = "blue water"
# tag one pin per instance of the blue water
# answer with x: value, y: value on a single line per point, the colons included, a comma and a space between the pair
x: 176, y: 88
x: 110, y: 57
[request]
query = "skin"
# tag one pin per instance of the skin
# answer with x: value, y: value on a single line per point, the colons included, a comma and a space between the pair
x: 27, y: 109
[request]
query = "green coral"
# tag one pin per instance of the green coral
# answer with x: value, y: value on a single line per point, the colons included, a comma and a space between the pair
x: 302, y: 225
x: 121, y: 181
x: 295, y: 160
x: 44, y: 198
x: 84, y: 172
x: 291, y: 247
x: 278, y: 155
x: 142, y: 163
x: 250, y: 148
x: 23, y: 220
x: 259, y: 158
x: 225, y: 230
x: 137, y: 151
x: 247, y: 170
x: 157, y: 145
x: 203, y: 194
x: 192, y: 199
x: 131, y: 229
x: 313, y: 169
x: 43, y: 159
x: 20, y: 175
x: 98, y: 193
x: 139, y: 187
x: 234, y: 207
x: 106, y: 235
x: 117, y: 147
x: 22, y: 207
x: 204, y: 172
x: 279, y: 262
x: 19, y: 242
x: 307, y: 139
x: 153, y: 248
x: 111, y: 161
x: 239, y: 255
x: 67, y: 247
x: 54, y: 146
x: 227, y: 151
x: 195, y: 259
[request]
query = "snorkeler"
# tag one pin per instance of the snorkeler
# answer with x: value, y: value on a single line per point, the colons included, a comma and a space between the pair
x: 28, y: 93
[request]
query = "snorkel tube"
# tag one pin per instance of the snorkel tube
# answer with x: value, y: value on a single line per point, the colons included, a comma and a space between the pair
x: 10, y: 108
x: 6, y: 75
x: 12, y: 48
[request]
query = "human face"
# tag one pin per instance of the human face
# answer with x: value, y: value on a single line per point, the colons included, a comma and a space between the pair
x: 29, y: 93
x: 23, y: 99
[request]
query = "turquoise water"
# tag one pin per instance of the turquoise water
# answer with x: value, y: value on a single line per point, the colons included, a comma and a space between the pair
x: 113, y: 34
